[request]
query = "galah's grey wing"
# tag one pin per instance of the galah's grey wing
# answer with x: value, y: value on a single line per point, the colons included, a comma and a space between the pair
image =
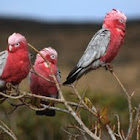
x: 58, y: 75
x: 3, y: 59
x: 96, y: 48
x: 30, y: 56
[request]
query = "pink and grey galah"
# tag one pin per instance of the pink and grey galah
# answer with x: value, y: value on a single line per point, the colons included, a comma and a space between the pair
x: 14, y: 62
x: 103, y: 47
x: 40, y: 86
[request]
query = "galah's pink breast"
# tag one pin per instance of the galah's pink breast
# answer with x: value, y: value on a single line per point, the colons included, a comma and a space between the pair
x: 41, y: 86
x: 116, y: 40
x: 17, y: 67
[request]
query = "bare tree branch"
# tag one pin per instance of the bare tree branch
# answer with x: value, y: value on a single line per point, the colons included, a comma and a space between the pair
x: 70, y: 134
x: 138, y: 129
x: 136, y: 119
x: 38, y: 74
x: 7, y: 130
x: 129, y: 106
x: 110, y: 132
x: 94, y: 111
x: 80, y: 101
x: 119, y: 127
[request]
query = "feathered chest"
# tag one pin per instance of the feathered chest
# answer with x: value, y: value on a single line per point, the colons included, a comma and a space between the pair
x: 45, y: 71
x: 41, y: 86
x: 116, y: 40
x: 17, y: 67
x: 17, y: 60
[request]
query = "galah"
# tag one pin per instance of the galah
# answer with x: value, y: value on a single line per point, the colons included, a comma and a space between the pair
x: 14, y: 62
x: 45, y: 87
x: 103, y: 47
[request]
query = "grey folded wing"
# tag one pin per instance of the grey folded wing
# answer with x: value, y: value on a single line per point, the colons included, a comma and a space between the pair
x: 96, y: 48
x: 58, y: 75
x: 3, y: 59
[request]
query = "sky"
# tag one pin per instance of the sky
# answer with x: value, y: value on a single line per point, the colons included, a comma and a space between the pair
x: 67, y: 10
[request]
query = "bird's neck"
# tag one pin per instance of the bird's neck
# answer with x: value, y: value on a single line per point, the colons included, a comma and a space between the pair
x: 116, y: 30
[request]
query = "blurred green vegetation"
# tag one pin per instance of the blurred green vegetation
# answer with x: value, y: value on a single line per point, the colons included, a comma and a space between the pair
x: 70, y: 40
x: 26, y: 125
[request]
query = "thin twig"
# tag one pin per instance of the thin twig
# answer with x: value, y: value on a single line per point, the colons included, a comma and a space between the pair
x: 7, y: 130
x: 38, y: 74
x: 55, y: 108
x: 81, y: 100
x: 110, y: 132
x: 15, y: 106
x: 122, y: 132
x: 136, y: 119
x: 70, y: 134
x: 45, y: 107
x: 81, y: 131
x: 129, y: 107
x: 119, y: 127
x: 30, y: 95
x: 77, y: 127
x: 96, y: 128
x: 138, y: 128
x: 12, y: 97
x: 94, y: 111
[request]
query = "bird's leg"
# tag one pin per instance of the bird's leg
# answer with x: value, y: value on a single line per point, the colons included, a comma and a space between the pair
x: 8, y: 88
x: 51, y: 103
x: 16, y: 89
x: 109, y: 67
x: 36, y: 102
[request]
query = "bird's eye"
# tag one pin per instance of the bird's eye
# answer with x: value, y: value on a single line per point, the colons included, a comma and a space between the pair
x: 17, y: 44
x: 121, y: 21
x: 52, y: 56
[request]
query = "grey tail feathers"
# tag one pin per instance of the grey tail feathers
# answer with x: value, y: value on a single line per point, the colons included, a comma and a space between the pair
x: 73, y: 76
x: 46, y: 112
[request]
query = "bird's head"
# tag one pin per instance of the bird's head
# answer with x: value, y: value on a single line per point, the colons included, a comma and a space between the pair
x: 49, y: 53
x: 16, y: 42
x: 115, y: 19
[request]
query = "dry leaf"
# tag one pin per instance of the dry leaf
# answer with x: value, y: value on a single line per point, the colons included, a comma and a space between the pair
x: 88, y: 102
x: 103, y: 115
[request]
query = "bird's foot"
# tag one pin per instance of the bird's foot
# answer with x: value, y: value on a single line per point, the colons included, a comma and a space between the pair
x: 51, y: 103
x: 8, y: 85
x: 109, y: 67
x: 36, y: 102
x: 8, y: 88
x: 16, y: 88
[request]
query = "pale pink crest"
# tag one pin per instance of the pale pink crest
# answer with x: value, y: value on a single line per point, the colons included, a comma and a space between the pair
x: 45, y: 52
x: 51, y: 51
x: 16, y: 38
x: 115, y: 14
